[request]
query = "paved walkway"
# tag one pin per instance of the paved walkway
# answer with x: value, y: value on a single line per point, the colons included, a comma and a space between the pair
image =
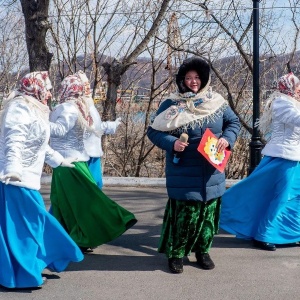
x: 130, y: 268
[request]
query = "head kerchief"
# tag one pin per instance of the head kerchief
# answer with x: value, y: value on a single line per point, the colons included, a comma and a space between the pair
x: 35, y: 84
x: 287, y: 84
x: 73, y: 89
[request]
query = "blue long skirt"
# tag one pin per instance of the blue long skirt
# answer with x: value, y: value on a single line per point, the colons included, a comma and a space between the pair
x: 31, y: 239
x: 95, y: 168
x: 266, y: 205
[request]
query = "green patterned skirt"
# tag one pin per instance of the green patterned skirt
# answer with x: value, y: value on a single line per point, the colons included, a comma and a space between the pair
x: 189, y: 226
x: 88, y: 215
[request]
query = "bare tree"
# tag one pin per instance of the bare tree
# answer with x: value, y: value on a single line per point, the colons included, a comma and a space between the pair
x: 106, y: 38
x: 295, y: 20
x: 131, y: 152
x: 116, y: 69
x: 13, y: 53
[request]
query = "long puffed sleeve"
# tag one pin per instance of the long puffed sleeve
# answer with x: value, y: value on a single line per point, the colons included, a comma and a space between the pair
x: 15, y: 130
x: 24, y: 138
x: 63, y: 119
x: 53, y: 158
x: 106, y: 127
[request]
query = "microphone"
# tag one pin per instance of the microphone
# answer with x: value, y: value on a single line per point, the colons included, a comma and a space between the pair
x: 183, y: 138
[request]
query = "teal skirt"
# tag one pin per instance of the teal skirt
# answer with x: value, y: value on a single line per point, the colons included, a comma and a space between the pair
x: 266, y: 205
x: 88, y: 215
x: 95, y: 168
x: 31, y: 239
x: 189, y: 226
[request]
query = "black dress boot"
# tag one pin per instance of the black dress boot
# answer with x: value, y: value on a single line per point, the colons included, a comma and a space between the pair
x: 204, y: 261
x: 264, y: 245
x: 175, y: 265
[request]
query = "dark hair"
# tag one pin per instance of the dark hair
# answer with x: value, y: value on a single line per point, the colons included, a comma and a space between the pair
x: 192, y: 64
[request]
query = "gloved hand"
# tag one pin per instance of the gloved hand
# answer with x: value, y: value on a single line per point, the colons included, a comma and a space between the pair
x: 118, y: 121
x: 10, y: 177
x: 67, y: 162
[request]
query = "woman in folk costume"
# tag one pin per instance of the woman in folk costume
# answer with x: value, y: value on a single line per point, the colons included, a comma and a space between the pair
x: 265, y: 206
x: 194, y: 186
x: 31, y: 239
x: 92, y: 141
x: 87, y: 214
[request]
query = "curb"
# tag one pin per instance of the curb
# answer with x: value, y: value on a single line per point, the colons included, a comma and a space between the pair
x: 134, y: 181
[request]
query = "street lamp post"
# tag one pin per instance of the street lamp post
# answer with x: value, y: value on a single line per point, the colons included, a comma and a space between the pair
x: 255, y: 144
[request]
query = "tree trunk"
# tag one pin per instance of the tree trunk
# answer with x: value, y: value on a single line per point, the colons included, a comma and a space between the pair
x: 114, y: 72
x: 36, y: 26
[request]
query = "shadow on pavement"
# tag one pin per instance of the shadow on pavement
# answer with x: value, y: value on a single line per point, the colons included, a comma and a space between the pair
x: 105, y: 262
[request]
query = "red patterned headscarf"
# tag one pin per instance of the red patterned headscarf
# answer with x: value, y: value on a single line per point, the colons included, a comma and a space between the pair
x: 287, y: 84
x: 70, y: 87
x: 73, y: 89
x: 35, y: 84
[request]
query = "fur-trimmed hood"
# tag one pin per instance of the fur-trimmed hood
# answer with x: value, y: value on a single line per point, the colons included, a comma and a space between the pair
x: 196, y: 64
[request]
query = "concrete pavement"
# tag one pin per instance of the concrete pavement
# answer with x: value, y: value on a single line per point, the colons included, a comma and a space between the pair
x: 131, y: 268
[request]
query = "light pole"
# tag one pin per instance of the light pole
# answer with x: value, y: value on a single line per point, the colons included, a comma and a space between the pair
x: 255, y: 144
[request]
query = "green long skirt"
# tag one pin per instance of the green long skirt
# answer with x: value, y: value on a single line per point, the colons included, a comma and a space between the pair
x: 189, y: 226
x: 88, y: 215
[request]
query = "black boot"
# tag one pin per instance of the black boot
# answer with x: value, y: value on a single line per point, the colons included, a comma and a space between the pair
x: 204, y: 261
x: 264, y: 245
x: 175, y: 265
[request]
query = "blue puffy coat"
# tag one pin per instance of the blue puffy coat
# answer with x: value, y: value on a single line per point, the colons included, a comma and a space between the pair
x: 194, y: 178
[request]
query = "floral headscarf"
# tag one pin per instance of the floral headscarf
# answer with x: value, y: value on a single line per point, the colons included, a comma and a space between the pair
x: 35, y: 84
x: 287, y: 84
x: 73, y: 89
x: 70, y: 87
